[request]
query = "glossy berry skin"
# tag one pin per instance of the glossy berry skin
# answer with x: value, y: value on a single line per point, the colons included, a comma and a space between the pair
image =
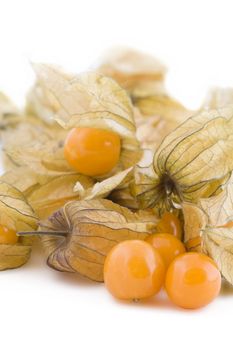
x: 133, y: 270
x: 169, y: 223
x: 168, y: 246
x: 92, y: 151
x: 192, y: 280
x: 7, y: 236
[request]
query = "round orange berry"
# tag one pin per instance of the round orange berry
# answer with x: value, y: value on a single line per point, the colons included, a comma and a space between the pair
x: 133, y: 270
x: 7, y: 236
x: 167, y: 245
x: 169, y: 223
x: 192, y: 280
x: 92, y: 151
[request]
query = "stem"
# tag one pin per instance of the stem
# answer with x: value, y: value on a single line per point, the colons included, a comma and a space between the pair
x: 43, y: 233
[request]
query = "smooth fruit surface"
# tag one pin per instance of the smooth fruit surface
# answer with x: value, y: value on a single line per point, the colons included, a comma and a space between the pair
x: 192, y: 280
x: 133, y: 270
x: 169, y: 223
x: 7, y: 236
x: 168, y: 246
x: 92, y: 151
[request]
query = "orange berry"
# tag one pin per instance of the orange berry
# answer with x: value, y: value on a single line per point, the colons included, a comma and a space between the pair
x: 7, y: 236
x: 167, y: 245
x: 192, y: 280
x: 133, y: 270
x: 169, y: 223
x: 92, y: 151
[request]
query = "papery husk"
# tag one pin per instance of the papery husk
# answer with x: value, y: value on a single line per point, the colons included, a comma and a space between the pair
x: 125, y: 198
x: 22, y: 178
x: 206, y: 228
x: 89, y: 100
x: 41, y: 103
x: 159, y: 115
x: 143, y: 75
x: 10, y: 115
x: 47, y: 194
x: 53, y: 194
x: 218, y: 244
x: 191, y: 163
x: 195, y: 220
x: 218, y: 98
x: 104, y: 188
x: 135, y: 71
x: 90, y: 229
x: 37, y: 146
x: 16, y: 214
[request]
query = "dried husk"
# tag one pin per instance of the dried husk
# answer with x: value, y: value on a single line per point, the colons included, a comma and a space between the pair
x: 218, y: 98
x: 142, y: 75
x: 191, y: 163
x: 206, y: 228
x: 159, y: 116
x: 10, y: 115
x: 218, y: 243
x: 103, y: 188
x: 53, y: 194
x: 89, y: 229
x: 137, y: 72
x: 89, y: 100
x: 16, y: 214
x: 23, y: 179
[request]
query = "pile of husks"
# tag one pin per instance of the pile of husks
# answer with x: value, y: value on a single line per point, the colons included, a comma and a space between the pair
x: 167, y: 159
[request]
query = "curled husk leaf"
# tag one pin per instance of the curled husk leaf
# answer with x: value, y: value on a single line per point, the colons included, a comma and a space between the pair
x: 103, y: 188
x: 192, y: 162
x: 16, y: 214
x: 89, y: 229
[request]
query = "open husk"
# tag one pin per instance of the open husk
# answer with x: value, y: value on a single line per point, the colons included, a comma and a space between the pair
x: 15, y: 214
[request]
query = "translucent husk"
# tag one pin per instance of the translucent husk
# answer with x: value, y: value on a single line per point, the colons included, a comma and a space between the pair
x: 192, y: 162
x: 15, y: 214
x: 78, y: 237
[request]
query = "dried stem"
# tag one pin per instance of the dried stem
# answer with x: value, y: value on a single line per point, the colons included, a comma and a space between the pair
x: 43, y: 233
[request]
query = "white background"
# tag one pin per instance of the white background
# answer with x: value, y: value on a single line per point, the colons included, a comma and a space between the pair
x: 44, y: 309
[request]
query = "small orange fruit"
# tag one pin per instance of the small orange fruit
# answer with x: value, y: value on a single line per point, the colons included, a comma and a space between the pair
x: 167, y: 245
x: 92, y: 151
x: 169, y: 223
x: 133, y: 270
x: 192, y: 280
x: 7, y: 236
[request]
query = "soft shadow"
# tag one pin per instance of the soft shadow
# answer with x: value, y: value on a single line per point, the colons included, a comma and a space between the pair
x: 37, y: 258
x: 75, y: 279
x: 160, y: 301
